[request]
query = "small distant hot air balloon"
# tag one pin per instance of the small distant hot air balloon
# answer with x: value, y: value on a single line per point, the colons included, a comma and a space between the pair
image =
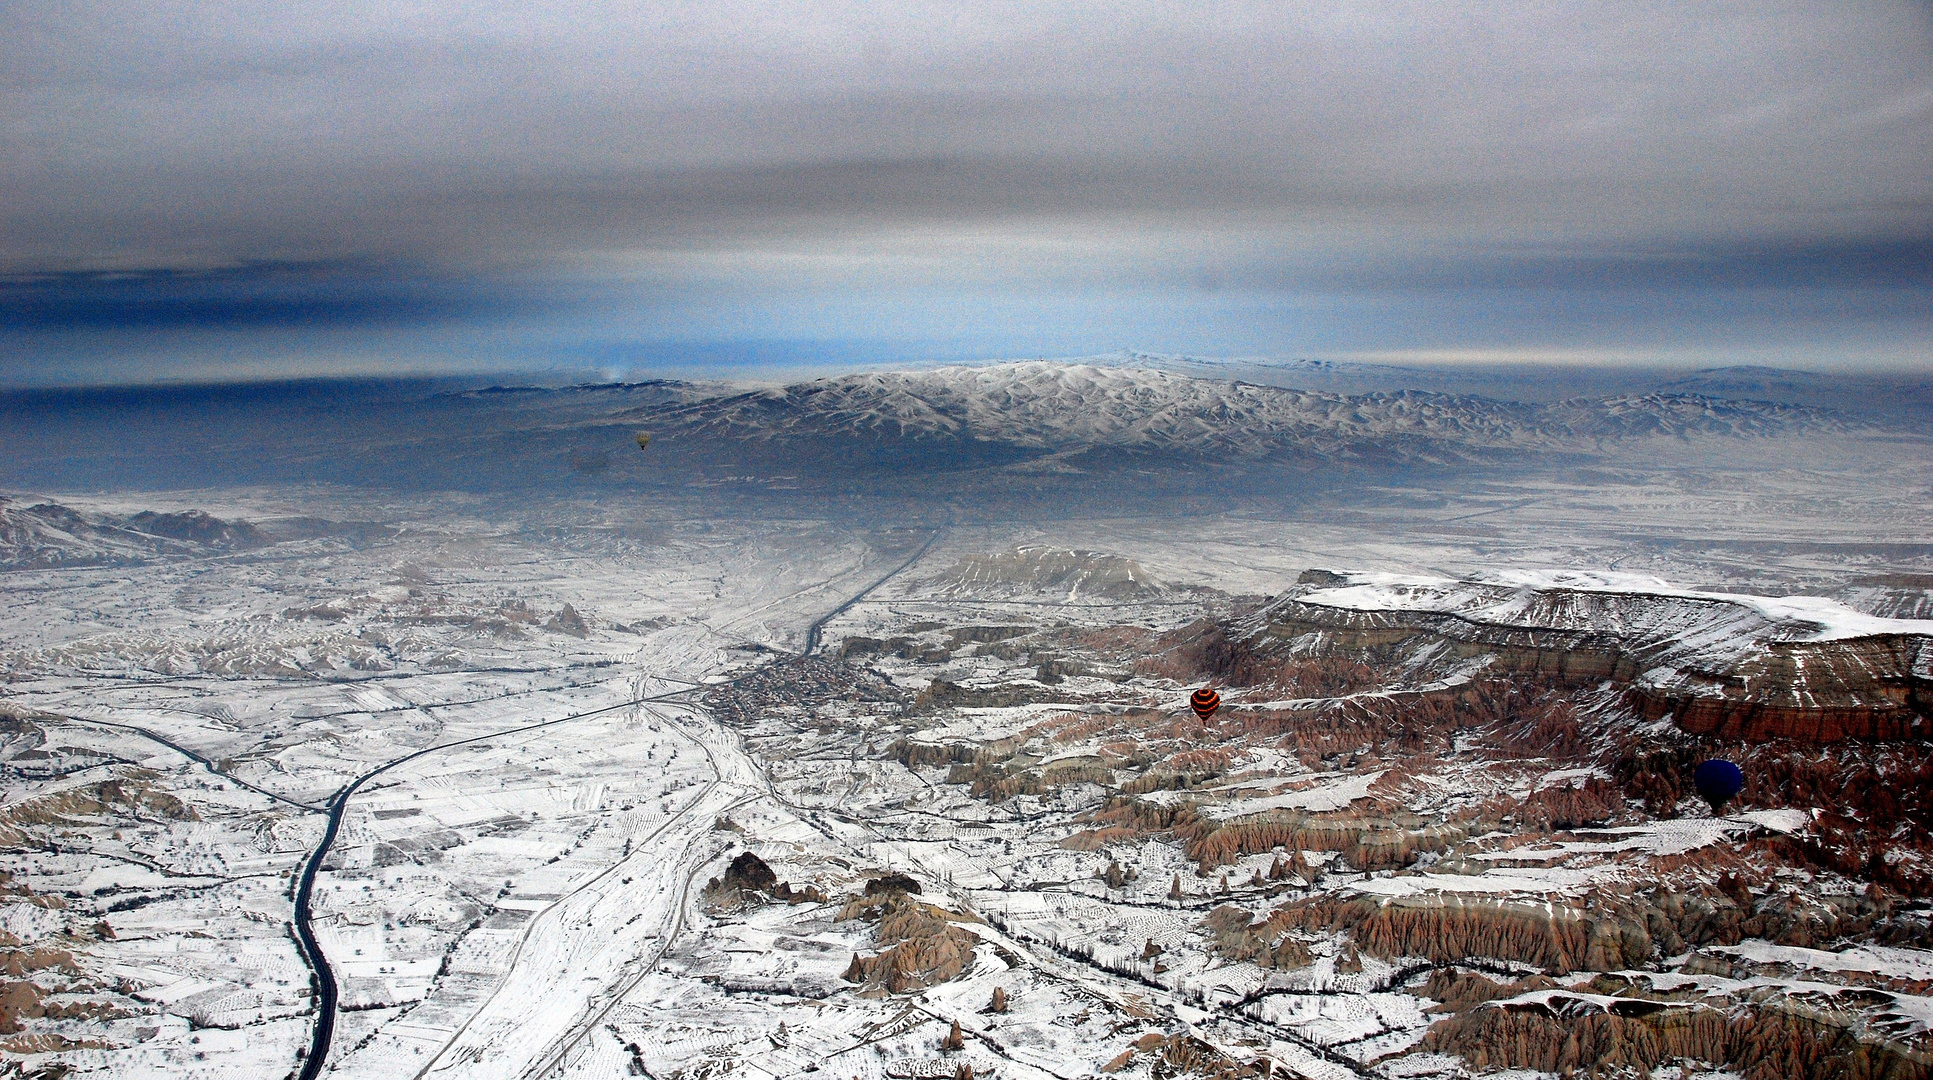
x: 1205, y: 701
x: 1717, y: 781
x: 644, y: 439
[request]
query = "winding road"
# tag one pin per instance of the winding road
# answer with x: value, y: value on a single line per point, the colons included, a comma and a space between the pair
x: 812, y: 632
x: 195, y: 757
x: 322, y: 977
x: 580, y: 909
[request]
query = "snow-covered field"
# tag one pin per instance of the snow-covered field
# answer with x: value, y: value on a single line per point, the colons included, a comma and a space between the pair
x: 538, y: 804
x: 563, y: 721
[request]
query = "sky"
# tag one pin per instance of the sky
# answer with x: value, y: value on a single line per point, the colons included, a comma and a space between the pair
x: 217, y: 190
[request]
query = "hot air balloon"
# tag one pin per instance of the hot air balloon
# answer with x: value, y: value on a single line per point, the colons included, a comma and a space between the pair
x: 1205, y: 701
x: 644, y: 439
x: 1717, y: 781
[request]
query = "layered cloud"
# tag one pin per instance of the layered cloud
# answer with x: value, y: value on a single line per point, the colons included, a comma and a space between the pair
x: 599, y: 172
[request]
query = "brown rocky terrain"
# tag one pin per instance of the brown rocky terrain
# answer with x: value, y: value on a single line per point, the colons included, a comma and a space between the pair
x: 42, y: 983
x: 127, y: 796
x: 1620, y: 1026
x: 920, y: 944
x: 748, y: 880
x: 1761, y: 679
x: 1482, y: 799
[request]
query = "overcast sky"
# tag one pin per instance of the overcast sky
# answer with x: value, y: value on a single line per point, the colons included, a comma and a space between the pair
x: 215, y: 189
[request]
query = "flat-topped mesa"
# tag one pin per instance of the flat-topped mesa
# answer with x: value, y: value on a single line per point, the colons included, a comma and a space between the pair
x: 1742, y: 667
x: 1878, y: 688
x: 1575, y: 656
x: 1034, y: 569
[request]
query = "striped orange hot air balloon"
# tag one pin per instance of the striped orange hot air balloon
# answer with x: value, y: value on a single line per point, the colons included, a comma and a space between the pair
x: 1205, y: 701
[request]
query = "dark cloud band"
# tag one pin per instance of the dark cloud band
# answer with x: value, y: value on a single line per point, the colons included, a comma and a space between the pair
x: 353, y: 164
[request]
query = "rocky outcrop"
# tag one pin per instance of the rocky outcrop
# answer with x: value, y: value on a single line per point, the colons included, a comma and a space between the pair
x: 197, y: 527
x: 922, y: 945
x: 20, y: 1001
x: 46, y: 535
x: 1264, y: 944
x: 568, y: 621
x: 943, y: 694
x: 1597, y: 932
x: 984, y: 635
x: 50, y: 1043
x: 131, y: 793
x: 749, y: 872
x: 1366, y: 842
x: 1873, y: 804
x: 1452, y: 928
x: 887, y: 884
x: 1574, y: 655
x: 1058, y: 571
x: 748, y: 879
x: 1868, y: 688
x: 1206, y: 649
x: 1768, y: 1035
x: 1168, y: 1056
x: 42, y: 981
x: 1457, y: 991
x: 1716, y: 666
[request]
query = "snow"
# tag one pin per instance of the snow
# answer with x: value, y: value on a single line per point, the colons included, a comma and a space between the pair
x: 1565, y: 1000
x: 1913, y: 965
x: 1670, y: 837
x: 1785, y: 820
x: 1058, y: 406
x: 1334, y: 795
x: 1534, y: 884
x: 1506, y: 597
x: 1590, y: 869
x: 1369, y: 1024
x: 1911, y: 1012
x: 1657, y: 838
x: 476, y: 901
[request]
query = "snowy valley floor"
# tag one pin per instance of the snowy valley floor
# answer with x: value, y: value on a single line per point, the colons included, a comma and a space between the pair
x: 568, y: 721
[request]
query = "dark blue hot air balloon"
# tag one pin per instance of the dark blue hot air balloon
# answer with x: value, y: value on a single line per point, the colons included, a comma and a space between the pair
x: 1717, y: 781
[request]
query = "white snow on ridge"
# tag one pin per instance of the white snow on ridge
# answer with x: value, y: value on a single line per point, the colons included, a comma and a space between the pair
x: 1056, y: 405
x: 1335, y: 795
x: 1670, y: 837
x: 1787, y: 820
x: 1531, y: 882
x: 1657, y: 838
x: 1532, y: 598
x: 1884, y: 960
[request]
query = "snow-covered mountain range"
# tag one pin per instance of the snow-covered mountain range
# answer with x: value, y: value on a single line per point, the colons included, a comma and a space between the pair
x: 1090, y: 417
x: 50, y: 534
x: 1060, y: 407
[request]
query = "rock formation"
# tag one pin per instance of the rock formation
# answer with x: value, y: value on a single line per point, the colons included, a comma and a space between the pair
x: 922, y: 945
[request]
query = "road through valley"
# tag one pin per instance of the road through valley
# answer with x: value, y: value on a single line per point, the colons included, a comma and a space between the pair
x: 581, y: 953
